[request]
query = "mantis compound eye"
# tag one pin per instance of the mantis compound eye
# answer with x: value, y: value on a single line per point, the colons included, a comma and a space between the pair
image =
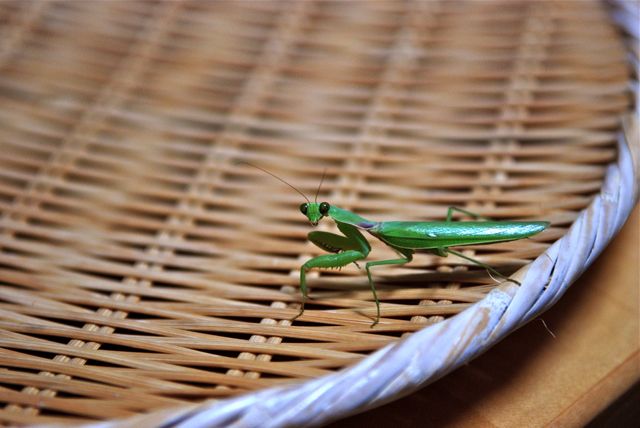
x: 324, y: 208
x: 303, y: 208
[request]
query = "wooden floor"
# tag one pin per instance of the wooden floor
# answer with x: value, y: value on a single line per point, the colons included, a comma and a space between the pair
x: 533, y: 379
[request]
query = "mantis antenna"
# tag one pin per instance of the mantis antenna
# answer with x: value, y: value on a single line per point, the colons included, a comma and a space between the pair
x: 278, y: 178
x: 324, y: 173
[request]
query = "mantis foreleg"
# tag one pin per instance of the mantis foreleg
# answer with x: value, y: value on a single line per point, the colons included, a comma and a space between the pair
x: 332, y: 242
x: 349, y: 249
x: 325, y: 261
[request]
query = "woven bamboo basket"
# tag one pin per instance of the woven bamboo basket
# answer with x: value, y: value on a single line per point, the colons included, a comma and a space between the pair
x: 148, y: 279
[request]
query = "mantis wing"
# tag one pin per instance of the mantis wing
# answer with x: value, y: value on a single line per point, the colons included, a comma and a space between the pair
x: 443, y: 234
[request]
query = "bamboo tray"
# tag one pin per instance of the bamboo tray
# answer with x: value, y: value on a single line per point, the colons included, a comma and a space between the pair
x: 148, y: 279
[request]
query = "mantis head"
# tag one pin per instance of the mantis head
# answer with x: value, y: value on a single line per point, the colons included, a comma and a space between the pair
x: 315, y: 211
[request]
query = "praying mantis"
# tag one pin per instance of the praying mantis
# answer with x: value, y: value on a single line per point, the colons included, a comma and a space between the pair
x: 404, y: 237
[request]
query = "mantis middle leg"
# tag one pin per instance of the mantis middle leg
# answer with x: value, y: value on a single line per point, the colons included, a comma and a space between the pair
x: 407, y: 256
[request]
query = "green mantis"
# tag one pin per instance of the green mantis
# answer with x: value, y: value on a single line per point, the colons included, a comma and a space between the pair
x: 405, y: 237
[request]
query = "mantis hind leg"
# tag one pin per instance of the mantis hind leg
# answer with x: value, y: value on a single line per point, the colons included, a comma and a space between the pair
x: 407, y: 257
x: 469, y: 213
x: 445, y: 251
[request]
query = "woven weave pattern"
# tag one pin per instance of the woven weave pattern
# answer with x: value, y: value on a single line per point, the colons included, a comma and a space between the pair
x: 141, y: 267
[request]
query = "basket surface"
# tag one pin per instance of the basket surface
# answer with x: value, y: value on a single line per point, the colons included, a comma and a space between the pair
x: 141, y: 267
